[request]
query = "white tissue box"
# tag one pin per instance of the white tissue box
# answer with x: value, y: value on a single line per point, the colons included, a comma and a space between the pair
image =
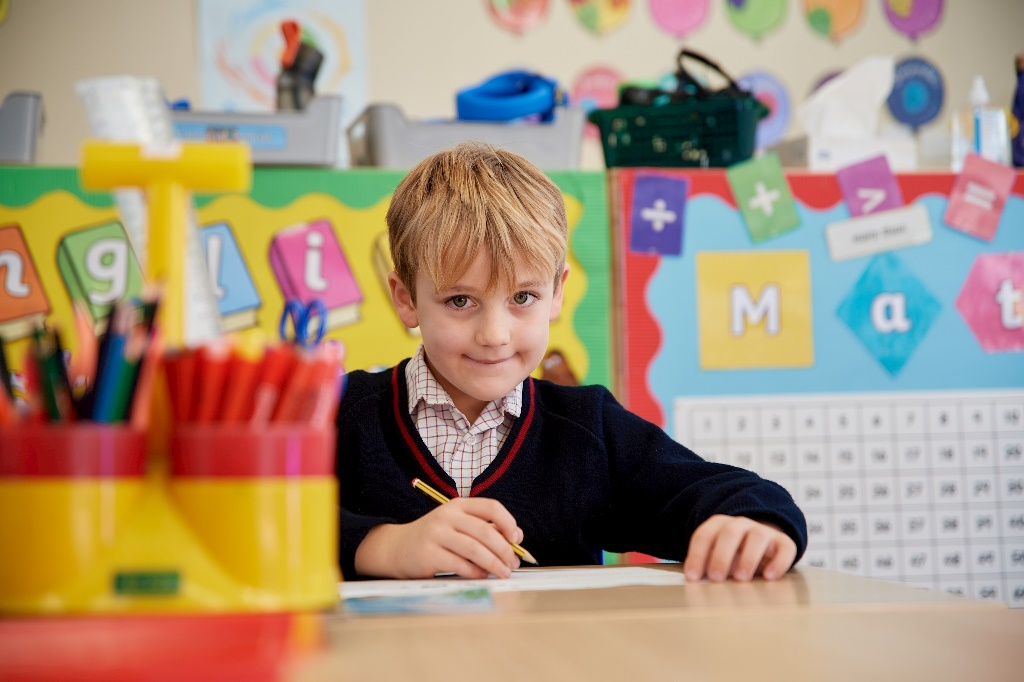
x: 833, y: 153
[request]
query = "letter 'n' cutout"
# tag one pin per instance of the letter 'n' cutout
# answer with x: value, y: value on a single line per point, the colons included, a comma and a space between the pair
x: 23, y: 303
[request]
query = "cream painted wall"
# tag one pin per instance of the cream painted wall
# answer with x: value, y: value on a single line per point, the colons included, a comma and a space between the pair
x: 421, y: 52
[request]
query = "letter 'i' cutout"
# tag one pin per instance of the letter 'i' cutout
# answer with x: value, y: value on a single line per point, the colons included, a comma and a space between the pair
x: 308, y: 263
x: 314, y: 269
x: 23, y: 303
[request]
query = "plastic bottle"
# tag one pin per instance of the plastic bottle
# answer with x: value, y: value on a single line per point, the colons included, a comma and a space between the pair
x: 980, y: 129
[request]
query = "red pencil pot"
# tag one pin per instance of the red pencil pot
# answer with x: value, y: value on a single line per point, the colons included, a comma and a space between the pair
x: 67, y: 494
x: 263, y: 501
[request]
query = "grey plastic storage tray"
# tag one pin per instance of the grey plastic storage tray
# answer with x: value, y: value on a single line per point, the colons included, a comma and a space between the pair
x: 383, y: 137
x: 21, y: 118
x: 285, y: 138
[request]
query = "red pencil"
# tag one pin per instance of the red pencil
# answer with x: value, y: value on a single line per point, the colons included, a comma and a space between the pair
x: 244, y: 371
x: 8, y: 413
x: 208, y: 385
x: 180, y: 366
x: 277, y: 365
x: 290, y: 402
x: 325, y: 399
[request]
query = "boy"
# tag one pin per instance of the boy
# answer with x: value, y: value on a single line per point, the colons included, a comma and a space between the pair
x: 479, y: 241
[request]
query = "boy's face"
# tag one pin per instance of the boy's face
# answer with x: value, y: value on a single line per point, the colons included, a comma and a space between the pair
x: 480, y: 346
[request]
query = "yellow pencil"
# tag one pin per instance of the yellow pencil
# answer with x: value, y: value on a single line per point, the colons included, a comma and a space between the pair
x: 441, y: 499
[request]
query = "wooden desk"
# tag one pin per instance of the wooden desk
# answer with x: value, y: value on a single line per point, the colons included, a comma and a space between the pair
x: 812, y: 625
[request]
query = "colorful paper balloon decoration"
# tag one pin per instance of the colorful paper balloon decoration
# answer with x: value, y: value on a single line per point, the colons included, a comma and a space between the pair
x: 913, y: 18
x: 596, y: 88
x: 756, y: 17
x: 917, y: 92
x: 833, y: 18
x: 770, y: 91
x: 601, y: 16
x: 518, y: 16
x: 679, y: 17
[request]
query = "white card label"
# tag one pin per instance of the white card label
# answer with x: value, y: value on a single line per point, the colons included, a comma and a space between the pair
x: 878, y: 232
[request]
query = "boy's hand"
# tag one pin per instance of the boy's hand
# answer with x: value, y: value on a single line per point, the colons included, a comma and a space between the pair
x: 467, y: 536
x: 739, y: 547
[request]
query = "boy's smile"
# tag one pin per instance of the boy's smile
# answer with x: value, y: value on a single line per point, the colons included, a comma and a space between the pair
x: 479, y: 345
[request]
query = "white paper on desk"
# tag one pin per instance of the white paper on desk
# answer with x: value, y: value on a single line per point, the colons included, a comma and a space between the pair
x: 525, y: 580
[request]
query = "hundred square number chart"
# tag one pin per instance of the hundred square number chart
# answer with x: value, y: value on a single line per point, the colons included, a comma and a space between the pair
x: 924, y: 488
x: 855, y: 337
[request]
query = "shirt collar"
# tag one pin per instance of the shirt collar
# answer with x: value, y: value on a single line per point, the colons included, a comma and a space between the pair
x: 422, y: 386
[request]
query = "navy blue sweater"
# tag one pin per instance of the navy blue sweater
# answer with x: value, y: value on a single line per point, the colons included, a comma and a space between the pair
x: 578, y: 471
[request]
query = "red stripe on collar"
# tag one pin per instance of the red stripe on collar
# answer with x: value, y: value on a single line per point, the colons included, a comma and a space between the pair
x: 414, y: 446
x: 490, y: 480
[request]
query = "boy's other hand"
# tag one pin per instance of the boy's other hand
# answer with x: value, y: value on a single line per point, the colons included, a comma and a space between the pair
x: 467, y: 536
x: 738, y: 547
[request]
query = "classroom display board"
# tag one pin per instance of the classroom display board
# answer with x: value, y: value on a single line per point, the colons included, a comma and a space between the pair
x: 854, y: 338
x: 299, y: 233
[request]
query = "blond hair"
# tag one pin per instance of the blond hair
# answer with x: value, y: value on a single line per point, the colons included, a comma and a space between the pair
x: 472, y: 197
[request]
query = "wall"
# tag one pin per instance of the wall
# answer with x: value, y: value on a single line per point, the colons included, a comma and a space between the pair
x: 421, y: 52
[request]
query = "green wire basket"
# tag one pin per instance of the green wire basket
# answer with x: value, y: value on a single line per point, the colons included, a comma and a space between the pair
x: 689, y: 126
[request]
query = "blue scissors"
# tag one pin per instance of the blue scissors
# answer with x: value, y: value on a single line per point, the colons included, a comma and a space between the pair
x: 301, y: 317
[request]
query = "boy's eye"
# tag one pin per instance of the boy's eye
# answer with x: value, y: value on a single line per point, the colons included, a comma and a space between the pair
x: 459, y: 301
x: 523, y: 297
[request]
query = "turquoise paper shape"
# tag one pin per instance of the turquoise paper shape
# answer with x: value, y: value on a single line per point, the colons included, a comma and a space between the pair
x: 906, y: 310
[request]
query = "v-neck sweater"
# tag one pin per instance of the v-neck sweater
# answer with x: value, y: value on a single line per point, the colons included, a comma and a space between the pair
x: 578, y: 472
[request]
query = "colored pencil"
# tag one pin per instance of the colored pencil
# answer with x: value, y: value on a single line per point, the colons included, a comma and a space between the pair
x: 180, y: 368
x: 441, y: 499
x: 295, y: 388
x: 110, y: 366
x: 142, y: 396
x: 5, y: 372
x: 277, y: 364
x: 208, y: 386
x: 8, y: 412
x: 243, y: 373
x: 134, y: 349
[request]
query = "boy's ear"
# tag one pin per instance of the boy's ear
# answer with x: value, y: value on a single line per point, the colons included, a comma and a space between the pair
x: 559, y: 293
x: 402, y: 299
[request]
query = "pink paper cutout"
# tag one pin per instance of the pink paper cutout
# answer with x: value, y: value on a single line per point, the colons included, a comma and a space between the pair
x: 992, y: 301
x: 978, y: 197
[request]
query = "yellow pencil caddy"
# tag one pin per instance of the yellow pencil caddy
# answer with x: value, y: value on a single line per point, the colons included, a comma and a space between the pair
x: 235, y: 518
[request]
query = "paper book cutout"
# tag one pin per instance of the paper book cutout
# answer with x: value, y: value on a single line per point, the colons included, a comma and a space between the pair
x: 992, y: 301
x: 763, y: 196
x: 890, y: 310
x: 869, y: 187
x: 99, y: 268
x: 383, y: 264
x: 23, y: 302
x: 658, y: 215
x: 308, y: 263
x: 978, y: 197
x: 233, y: 287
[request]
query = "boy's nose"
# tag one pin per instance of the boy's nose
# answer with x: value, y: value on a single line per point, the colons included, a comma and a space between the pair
x: 494, y: 330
